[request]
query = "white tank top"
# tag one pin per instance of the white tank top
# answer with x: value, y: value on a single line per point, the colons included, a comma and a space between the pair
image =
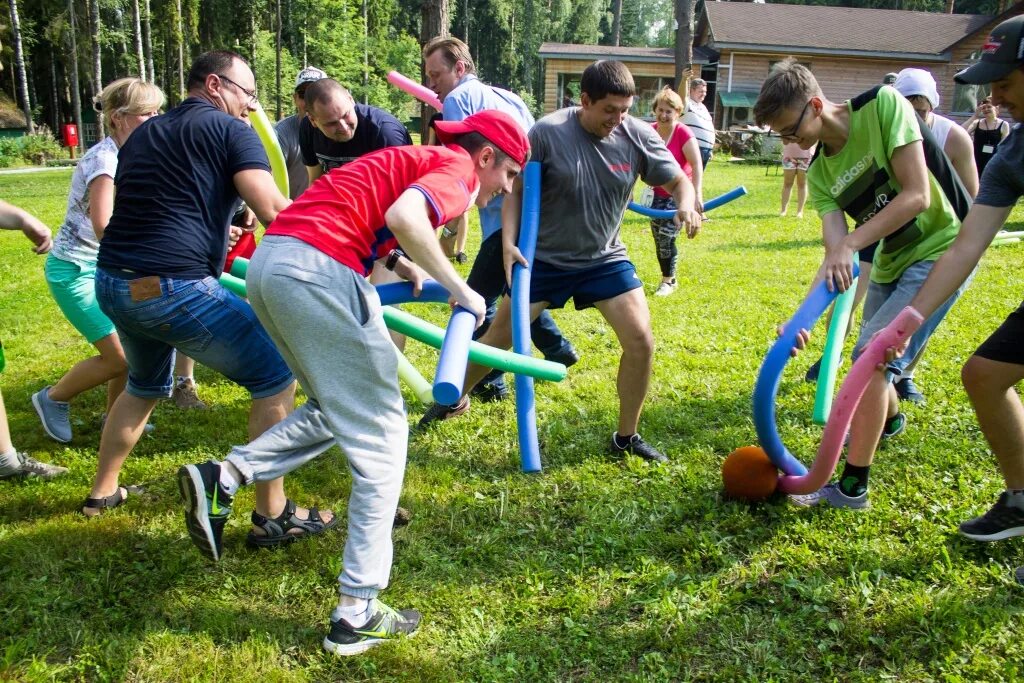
x: 940, y: 129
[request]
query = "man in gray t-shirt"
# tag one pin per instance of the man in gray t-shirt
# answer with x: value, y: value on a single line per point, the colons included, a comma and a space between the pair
x: 287, y: 130
x: 997, y: 366
x: 591, y: 156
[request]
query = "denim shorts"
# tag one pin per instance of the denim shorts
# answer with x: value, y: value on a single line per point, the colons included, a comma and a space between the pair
x: 201, y: 319
x: 884, y: 302
x: 73, y: 287
x: 585, y: 287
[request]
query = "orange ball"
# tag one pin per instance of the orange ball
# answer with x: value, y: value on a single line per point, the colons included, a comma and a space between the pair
x: 748, y: 474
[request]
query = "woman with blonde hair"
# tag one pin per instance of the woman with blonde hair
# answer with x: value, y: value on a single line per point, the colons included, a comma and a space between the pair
x: 71, y: 266
x: 668, y: 107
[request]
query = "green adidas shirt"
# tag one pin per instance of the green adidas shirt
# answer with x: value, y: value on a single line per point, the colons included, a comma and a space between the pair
x: 859, y: 181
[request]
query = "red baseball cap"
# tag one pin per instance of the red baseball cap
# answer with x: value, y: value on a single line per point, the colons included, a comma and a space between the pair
x: 497, y: 126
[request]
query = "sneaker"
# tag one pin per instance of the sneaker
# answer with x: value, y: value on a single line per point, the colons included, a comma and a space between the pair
x: 185, y: 396
x: 566, y: 355
x: 831, y: 495
x: 490, y: 393
x: 437, y: 412
x: 1002, y: 521
x: 207, y: 506
x: 55, y: 415
x: 461, y: 257
x: 894, y: 426
x: 384, y: 624
x: 908, y: 391
x: 639, y: 447
x: 30, y: 467
x: 813, y: 371
x: 665, y: 288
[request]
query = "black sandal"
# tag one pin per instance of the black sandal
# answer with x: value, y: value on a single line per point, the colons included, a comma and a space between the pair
x: 115, y: 499
x: 277, y: 529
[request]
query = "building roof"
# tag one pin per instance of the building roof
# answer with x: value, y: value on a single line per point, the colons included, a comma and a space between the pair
x: 701, y: 54
x: 819, y: 29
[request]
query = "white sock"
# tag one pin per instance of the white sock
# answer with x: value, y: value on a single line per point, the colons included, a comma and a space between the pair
x: 9, y: 461
x: 357, y: 613
x: 181, y: 379
x: 228, y: 480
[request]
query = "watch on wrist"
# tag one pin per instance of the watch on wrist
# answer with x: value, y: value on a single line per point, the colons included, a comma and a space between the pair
x: 446, y: 233
x: 392, y: 259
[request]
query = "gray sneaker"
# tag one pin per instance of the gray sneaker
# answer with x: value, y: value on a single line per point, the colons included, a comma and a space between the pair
x: 186, y: 397
x: 831, y: 495
x: 30, y: 467
x: 54, y: 415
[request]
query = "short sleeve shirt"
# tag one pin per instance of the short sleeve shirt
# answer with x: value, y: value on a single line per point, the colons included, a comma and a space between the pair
x: 375, y: 129
x: 586, y: 183
x: 680, y: 136
x: 700, y: 123
x: 342, y: 213
x: 1002, y: 183
x: 859, y: 180
x: 175, y: 192
x: 76, y: 241
x: 471, y: 96
x: 287, y: 130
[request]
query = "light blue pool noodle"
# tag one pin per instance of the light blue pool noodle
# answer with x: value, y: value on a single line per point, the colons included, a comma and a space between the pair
x: 451, y: 365
x: 767, y: 386
x: 526, y: 409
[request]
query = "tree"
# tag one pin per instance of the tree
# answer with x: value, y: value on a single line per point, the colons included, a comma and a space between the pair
x: 684, y: 43
x: 76, y: 96
x: 140, y: 58
x: 147, y: 40
x: 97, y: 59
x: 616, y: 22
x: 434, y: 21
x: 19, y: 66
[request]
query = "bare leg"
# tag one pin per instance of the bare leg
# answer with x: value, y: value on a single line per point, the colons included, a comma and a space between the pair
x: 6, y: 445
x: 183, y: 365
x: 787, y: 188
x: 122, y: 431
x: 990, y: 386
x: 631, y: 320
x: 878, y: 404
x: 109, y: 366
x: 801, y: 192
x: 461, y: 235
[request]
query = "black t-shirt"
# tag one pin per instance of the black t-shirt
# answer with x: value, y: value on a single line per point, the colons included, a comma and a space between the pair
x: 375, y: 129
x: 175, y: 192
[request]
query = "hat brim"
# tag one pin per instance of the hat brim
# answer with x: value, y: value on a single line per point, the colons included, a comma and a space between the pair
x: 984, y: 72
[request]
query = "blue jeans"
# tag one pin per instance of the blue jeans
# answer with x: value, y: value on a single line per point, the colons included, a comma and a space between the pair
x: 199, y: 317
x: 487, y: 278
x: 705, y: 156
x: 884, y: 302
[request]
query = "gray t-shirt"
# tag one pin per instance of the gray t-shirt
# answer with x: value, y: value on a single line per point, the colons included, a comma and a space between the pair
x: 1002, y: 183
x: 288, y: 135
x: 586, y: 183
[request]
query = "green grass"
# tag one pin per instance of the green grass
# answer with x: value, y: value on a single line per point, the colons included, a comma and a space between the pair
x: 596, y: 570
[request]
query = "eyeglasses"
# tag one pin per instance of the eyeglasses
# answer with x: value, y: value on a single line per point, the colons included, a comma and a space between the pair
x: 792, y: 132
x: 250, y: 93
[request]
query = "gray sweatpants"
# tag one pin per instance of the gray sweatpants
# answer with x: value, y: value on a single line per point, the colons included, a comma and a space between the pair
x: 327, y: 323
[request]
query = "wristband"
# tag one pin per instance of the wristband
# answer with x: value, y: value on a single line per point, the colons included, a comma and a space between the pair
x: 392, y: 259
x: 445, y: 232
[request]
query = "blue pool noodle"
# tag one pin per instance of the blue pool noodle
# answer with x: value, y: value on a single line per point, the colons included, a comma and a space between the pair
x: 526, y: 411
x: 451, y: 365
x: 732, y: 194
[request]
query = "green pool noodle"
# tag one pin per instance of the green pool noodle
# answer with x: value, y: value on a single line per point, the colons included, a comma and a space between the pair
x: 240, y: 267
x: 413, y: 379
x: 841, y: 315
x: 235, y: 284
x: 481, y: 354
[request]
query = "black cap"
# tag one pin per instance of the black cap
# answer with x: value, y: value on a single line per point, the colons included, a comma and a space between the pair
x: 1002, y: 52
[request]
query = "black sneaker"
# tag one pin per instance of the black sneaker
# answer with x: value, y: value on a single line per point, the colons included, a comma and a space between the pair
x: 207, y: 506
x: 384, y: 624
x: 1002, y: 521
x: 436, y: 412
x: 908, y: 391
x: 813, y: 371
x: 490, y: 393
x: 639, y: 447
x: 894, y: 426
x: 566, y: 355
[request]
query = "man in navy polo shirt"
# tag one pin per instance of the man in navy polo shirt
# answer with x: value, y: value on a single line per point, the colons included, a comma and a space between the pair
x: 178, y: 184
x: 337, y: 130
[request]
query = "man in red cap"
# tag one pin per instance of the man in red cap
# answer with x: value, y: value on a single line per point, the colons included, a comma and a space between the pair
x: 307, y: 284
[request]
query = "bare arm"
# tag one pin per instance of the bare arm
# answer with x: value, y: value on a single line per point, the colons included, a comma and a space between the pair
x: 101, y: 203
x: 409, y: 221
x: 960, y: 150
x: 683, y: 195
x: 14, y: 218
x: 258, y: 190
x: 691, y: 150
x: 511, y: 214
x: 950, y: 271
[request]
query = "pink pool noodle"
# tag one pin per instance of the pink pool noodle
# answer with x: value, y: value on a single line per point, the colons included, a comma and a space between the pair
x: 846, y: 402
x: 420, y: 92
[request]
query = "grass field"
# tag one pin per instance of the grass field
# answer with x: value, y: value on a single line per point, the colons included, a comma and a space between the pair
x: 596, y: 570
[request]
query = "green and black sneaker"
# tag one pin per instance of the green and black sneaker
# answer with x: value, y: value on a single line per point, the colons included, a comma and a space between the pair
x: 383, y: 625
x: 207, y: 506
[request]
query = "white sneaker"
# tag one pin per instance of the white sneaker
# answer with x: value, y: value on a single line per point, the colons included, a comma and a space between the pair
x: 665, y: 288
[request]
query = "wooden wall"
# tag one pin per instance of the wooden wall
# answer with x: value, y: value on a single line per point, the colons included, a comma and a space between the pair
x: 553, y: 67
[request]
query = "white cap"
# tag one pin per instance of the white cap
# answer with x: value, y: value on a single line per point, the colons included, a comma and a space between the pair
x: 910, y: 82
x: 309, y: 75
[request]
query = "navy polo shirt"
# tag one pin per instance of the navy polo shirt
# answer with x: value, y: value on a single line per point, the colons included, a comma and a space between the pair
x: 375, y: 129
x: 175, y: 192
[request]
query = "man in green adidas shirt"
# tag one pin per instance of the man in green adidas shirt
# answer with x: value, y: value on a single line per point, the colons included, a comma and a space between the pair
x: 878, y: 165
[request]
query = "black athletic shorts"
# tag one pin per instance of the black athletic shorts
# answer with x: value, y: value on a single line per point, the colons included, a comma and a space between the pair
x: 1006, y: 344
